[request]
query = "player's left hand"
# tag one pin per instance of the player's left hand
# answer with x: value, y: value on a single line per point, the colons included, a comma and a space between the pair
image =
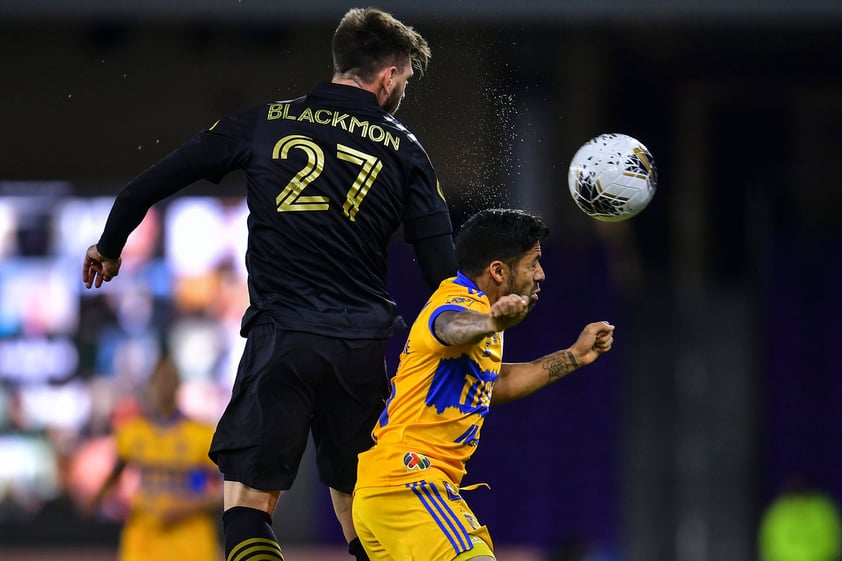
x: 98, y: 269
x: 604, y: 339
x: 596, y: 338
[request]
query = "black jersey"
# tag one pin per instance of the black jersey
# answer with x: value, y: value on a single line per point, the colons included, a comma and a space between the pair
x: 331, y: 176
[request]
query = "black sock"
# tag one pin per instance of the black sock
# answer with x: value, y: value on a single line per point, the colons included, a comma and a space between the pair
x: 355, y: 548
x: 249, y: 528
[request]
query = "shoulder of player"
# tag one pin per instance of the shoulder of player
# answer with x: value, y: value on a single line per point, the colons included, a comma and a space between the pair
x: 131, y: 426
x: 451, y: 293
x: 197, y: 425
x: 238, y: 123
x: 396, y: 124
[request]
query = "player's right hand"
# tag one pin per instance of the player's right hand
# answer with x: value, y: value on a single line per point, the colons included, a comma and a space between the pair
x: 596, y: 338
x: 508, y: 311
x: 98, y: 269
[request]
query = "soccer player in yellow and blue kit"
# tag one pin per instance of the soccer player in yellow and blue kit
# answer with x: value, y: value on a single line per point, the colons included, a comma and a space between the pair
x: 173, y: 514
x: 407, y: 503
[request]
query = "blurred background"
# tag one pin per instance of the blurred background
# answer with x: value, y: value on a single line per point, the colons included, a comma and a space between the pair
x: 725, y: 292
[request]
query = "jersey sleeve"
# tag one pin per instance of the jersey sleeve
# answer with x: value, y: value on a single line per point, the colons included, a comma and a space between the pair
x: 209, y: 155
x: 442, y: 302
x: 431, y: 322
x: 437, y: 258
x: 426, y: 214
x: 227, y: 144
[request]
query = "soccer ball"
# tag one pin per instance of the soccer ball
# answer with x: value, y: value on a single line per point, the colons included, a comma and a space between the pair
x: 612, y: 177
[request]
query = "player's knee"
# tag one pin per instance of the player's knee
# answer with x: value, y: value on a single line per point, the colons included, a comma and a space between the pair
x: 240, y: 494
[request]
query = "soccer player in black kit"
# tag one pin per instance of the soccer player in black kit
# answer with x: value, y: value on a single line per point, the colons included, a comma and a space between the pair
x: 331, y: 176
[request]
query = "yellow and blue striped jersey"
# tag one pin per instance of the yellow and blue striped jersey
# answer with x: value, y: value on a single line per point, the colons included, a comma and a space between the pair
x: 170, y: 457
x: 431, y: 424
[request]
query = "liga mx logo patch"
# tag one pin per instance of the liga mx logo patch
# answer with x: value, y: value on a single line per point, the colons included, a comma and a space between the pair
x: 413, y: 460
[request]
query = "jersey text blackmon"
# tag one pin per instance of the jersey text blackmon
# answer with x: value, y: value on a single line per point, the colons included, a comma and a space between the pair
x: 346, y: 122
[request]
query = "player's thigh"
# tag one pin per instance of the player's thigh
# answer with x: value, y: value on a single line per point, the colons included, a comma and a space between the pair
x: 349, y: 402
x: 262, y: 434
x: 419, y: 521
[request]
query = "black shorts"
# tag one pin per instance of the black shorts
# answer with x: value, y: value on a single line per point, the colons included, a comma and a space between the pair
x: 289, y: 384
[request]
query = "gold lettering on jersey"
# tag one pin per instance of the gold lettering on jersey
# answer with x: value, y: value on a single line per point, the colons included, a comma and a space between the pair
x: 339, y: 120
x: 331, y: 118
x: 306, y: 115
x: 356, y: 123
x: 318, y: 115
x: 377, y: 134
x: 276, y: 111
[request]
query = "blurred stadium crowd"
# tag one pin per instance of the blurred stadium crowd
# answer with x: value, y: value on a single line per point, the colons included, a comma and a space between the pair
x: 72, y: 361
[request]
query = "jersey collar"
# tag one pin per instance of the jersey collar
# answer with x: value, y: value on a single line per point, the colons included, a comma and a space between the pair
x: 463, y: 280
x: 348, y: 93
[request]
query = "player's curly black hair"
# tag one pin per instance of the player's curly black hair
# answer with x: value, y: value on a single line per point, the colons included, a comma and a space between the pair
x: 367, y: 39
x: 497, y: 233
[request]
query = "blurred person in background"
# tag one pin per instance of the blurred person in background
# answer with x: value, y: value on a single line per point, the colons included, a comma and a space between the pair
x: 407, y: 503
x: 801, y: 524
x: 331, y: 177
x: 173, y: 513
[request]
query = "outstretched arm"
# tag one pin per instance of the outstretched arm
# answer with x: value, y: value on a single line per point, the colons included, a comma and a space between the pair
x: 102, y: 260
x: 209, y: 154
x: 517, y: 380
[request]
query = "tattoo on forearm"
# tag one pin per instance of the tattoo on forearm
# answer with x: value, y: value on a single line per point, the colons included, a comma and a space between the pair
x: 560, y: 364
x: 462, y: 327
x: 456, y: 332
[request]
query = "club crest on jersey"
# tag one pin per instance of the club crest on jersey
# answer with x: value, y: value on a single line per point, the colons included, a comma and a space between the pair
x: 413, y: 460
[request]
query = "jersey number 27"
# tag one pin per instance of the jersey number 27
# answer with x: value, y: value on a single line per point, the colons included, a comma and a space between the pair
x: 292, y: 199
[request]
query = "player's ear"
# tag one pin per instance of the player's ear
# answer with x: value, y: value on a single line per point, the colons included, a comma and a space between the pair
x: 387, y: 78
x: 498, y: 270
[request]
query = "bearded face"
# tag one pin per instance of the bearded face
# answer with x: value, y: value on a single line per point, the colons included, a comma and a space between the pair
x: 527, y: 275
x: 399, y: 82
x: 394, y: 100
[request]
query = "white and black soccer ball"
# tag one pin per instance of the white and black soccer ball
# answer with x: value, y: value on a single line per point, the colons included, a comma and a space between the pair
x: 612, y: 177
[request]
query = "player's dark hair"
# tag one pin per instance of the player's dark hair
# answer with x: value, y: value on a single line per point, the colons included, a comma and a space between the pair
x: 367, y: 39
x: 497, y: 233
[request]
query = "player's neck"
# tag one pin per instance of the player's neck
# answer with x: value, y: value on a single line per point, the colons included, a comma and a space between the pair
x: 350, y: 80
x: 490, y: 287
x: 165, y: 411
